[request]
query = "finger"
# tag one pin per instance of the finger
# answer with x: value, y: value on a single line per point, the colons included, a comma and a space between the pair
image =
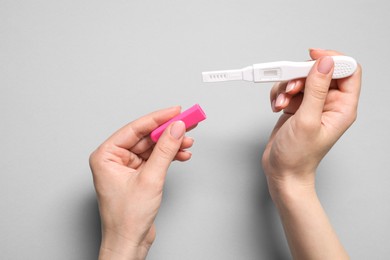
x: 316, y: 91
x: 132, y: 133
x: 282, y: 94
x: 143, y: 145
x: 350, y: 84
x: 134, y: 161
x: 282, y: 101
x: 145, y: 155
x: 146, y: 143
x: 183, y: 156
x: 164, y: 152
x: 315, y: 54
x: 275, y: 91
x: 277, y: 88
x: 294, y: 104
x: 295, y: 86
x: 187, y: 143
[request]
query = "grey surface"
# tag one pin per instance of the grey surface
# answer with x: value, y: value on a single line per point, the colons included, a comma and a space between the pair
x: 72, y: 72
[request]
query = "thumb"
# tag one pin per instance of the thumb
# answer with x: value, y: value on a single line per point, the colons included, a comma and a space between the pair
x: 165, y: 150
x: 316, y: 90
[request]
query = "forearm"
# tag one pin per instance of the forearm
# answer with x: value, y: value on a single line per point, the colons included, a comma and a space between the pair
x: 308, y: 230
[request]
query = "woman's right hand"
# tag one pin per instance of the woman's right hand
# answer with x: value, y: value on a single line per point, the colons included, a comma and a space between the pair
x: 316, y: 112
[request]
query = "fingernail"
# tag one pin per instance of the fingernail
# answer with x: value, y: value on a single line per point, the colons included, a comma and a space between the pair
x: 178, y: 129
x: 325, y: 65
x: 316, y: 49
x: 280, y: 100
x: 290, y: 86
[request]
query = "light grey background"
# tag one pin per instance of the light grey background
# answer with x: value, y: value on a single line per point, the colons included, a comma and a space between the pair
x: 72, y: 72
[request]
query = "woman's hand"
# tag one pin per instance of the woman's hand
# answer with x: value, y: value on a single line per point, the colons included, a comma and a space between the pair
x: 129, y: 172
x: 316, y: 112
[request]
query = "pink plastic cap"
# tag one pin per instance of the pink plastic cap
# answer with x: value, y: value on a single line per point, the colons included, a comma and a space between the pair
x: 190, y: 117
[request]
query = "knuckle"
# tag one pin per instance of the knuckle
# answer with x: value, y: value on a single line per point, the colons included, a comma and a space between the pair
x: 317, y: 90
x: 352, y: 117
x: 355, y: 115
x: 166, y: 150
x: 92, y: 159
x: 96, y: 157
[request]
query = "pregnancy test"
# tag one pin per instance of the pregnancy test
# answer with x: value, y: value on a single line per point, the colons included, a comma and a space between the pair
x: 344, y: 66
x: 190, y: 117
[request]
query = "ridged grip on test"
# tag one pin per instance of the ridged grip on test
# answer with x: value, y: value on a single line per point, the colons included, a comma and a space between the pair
x: 190, y: 117
x: 344, y: 66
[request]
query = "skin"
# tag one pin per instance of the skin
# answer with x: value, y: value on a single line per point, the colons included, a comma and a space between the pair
x: 316, y: 113
x: 129, y: 170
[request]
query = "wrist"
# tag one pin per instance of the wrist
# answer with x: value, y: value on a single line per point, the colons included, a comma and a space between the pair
x: 288, y: 189
x: 117, y: 247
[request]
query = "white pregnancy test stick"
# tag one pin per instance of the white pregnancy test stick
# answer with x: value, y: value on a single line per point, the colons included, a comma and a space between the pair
x: 344, y: 66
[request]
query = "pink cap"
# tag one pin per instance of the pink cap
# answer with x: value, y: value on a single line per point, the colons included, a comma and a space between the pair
x: 190, y: 117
